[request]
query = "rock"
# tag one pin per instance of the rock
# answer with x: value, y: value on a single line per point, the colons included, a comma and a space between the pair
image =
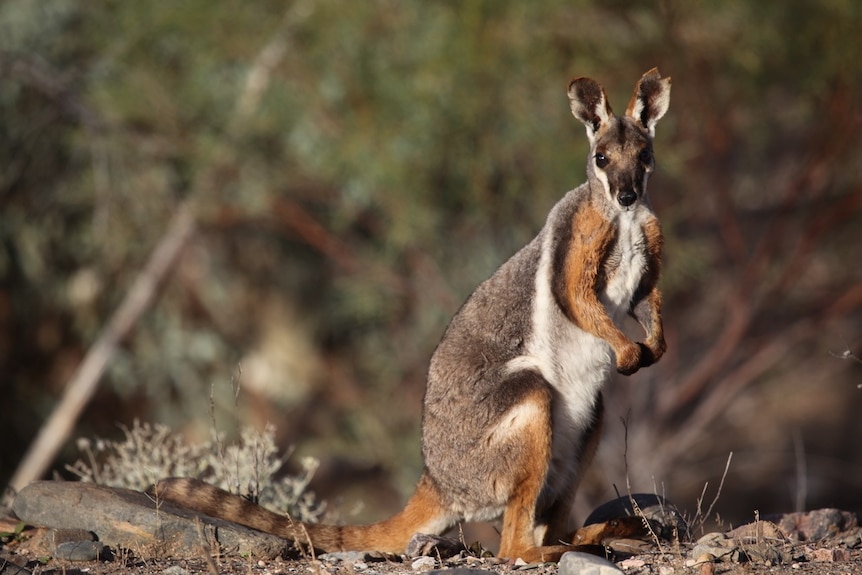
x: 9, y: 564
x: 715, y: 538
x: 175, y: 570
x: 130, y: 519
x: 705, y: 558
x: 44, y: 541
x: 814, y: 525
x: 424, y: 564
x: 766, y: 553
x: 79, y: 550
x: 7, y: 568
x: 830, y: 555
x: 575, y: 563
x: 757, y: 531
x: 714, y: 545
x: 716, y: 552
x: 631, y: 563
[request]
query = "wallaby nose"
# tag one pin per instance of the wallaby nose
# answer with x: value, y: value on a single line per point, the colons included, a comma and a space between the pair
x: 626, y: 198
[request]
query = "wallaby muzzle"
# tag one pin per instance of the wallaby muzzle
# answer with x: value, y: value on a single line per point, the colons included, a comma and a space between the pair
x: 626, y: 198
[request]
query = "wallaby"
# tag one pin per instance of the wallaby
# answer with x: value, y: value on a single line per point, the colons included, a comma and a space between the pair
x: 513, y: 405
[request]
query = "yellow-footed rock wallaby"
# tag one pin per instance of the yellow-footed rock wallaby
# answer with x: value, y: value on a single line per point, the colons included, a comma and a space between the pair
x: 513, y: 405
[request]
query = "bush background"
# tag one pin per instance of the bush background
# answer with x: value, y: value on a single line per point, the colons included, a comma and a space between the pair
x: 357, y: 168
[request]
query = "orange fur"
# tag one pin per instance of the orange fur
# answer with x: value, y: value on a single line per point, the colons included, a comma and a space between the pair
x: 592, y: 236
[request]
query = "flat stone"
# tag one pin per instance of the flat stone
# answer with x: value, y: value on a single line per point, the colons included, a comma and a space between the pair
x: 130, y: 519
x: 79, y: 550
x: 424, y: 564
x: 720, y: 552
x: 575, y: 563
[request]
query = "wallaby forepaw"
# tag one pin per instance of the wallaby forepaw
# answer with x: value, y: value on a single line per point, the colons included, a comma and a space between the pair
x: 651, y: 352
x: 647, y: 356
x: 629, y: 359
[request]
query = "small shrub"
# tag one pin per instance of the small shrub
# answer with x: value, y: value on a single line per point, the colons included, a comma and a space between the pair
x: 248, y: 468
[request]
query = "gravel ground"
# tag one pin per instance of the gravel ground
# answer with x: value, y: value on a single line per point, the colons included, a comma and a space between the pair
x: 832, y: 556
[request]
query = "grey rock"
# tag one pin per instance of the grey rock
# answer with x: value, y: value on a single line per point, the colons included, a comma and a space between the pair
x: 175, y: 570
x: 424, y: 564
x: 58, y: 536
x: 7, y: 568
x: 79, y: 550
x: 130, y: 519
x: 9, y: 564
x: 575, y: 563
x: 815, y: 525
x: 720, y: 552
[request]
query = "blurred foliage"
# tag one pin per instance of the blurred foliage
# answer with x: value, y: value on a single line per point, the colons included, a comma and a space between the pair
x: 357, y: 168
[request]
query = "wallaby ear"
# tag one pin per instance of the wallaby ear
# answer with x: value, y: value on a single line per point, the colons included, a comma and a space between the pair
x: 589, y: 105
x: 650, y: 100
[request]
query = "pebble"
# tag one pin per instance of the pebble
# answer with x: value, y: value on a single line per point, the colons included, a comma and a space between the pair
x: 175, y: 570
x: 423, y: 564
x: 631, y: 563
x: 576, y: 563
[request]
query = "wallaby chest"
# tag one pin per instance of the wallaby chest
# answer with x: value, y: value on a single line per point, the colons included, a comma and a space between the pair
x: 626, y: 262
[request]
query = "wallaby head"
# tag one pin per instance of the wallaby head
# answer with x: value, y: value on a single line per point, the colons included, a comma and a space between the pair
x: 621, y: 156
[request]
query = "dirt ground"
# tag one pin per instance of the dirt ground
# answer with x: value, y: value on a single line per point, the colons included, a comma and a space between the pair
x: 828, y: 557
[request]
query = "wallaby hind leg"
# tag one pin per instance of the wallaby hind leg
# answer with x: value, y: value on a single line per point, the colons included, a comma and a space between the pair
x: 559, y: 513
x: 529, y: 467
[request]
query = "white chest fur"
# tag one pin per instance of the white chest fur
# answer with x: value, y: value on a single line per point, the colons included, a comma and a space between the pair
x: 626, y: 263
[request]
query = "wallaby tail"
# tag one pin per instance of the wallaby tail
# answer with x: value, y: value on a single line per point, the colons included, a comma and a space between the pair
x: 423, y: 514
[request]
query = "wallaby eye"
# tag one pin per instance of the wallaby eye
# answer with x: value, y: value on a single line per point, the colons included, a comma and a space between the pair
x: 601, y: 160
x: 645, y: 156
